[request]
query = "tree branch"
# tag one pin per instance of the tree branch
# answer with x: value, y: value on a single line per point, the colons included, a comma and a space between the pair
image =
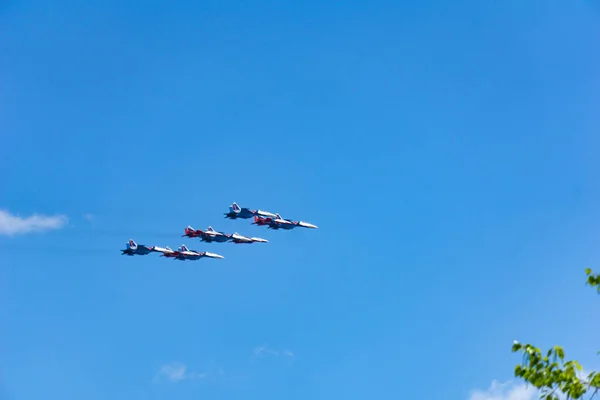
x: 551, y: 373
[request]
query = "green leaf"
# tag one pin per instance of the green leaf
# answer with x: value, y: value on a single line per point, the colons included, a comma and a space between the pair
x: 516, y: 346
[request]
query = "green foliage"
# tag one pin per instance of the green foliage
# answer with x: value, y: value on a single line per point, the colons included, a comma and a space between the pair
x: 593, y: 280
x: 551, y: 374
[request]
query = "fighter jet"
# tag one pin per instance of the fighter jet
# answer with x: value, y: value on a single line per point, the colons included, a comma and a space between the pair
x: 183, y: 253
x: 239, y: 239
x: 134, y: 249
x: 236, y: 212
x: 210, y: 235
x: 280, y: 223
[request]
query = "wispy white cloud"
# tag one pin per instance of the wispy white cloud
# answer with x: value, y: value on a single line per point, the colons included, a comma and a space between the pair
x: 176, y: 372
x: 89, y: 216
x: 510, y: 390
x: 287, y: 353
x: 261, y: 351
x: 11, y: 224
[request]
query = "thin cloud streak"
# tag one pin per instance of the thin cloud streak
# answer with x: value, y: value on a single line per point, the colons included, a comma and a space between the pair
x: 176, y: 372
x: 261, y: 351
x: 11, y: 225
x: 90, y: 217
x: 506, y: 391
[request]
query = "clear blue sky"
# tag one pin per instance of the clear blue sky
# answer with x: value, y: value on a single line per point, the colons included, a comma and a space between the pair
x: 448, y: 152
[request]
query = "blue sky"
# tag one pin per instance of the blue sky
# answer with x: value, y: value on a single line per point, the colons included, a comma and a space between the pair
x: 448, y: 152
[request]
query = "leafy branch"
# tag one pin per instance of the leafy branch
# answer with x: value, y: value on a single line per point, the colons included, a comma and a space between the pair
x: 551, y: 374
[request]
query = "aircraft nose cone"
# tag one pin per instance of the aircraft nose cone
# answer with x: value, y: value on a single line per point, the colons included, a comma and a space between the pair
x: 214, y: 255
x: 307, y: 225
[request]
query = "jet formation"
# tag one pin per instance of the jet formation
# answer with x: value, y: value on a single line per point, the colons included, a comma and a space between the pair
x: 209, y: 235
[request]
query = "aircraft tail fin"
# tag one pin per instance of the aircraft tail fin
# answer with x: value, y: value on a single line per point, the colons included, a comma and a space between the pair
x: 210, y: 229
x: 184, y: 248
x: 235, y: 208
x: 131, y: 244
